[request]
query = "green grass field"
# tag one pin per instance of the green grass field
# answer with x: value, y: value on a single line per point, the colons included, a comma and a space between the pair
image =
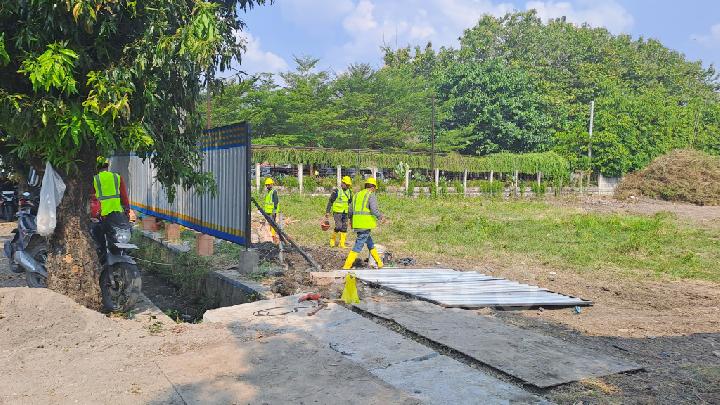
x: 563, y: 238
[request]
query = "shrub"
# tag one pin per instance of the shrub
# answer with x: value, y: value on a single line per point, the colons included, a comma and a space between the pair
x: 491, y: 187
x: 538, y: 189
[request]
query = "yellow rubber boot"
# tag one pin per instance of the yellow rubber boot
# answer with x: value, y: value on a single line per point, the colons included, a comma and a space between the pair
x: 350, y: 260
x: 343, y: 237
x: 376, y: 256
x: 333, y: 238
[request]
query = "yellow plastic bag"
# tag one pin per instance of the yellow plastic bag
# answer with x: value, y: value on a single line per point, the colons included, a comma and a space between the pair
x: 350, y: 295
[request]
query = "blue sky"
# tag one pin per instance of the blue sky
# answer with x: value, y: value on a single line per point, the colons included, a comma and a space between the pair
x: 340, y: 32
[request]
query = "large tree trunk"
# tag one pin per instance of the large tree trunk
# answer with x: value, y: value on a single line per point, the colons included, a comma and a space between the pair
x: 73, y: 265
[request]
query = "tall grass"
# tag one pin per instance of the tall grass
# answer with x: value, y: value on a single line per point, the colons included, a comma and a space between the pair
x: 477, y: 229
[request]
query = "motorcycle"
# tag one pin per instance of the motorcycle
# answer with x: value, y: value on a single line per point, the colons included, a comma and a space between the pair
x: 27, y: 250
x: 120, y: 281
x: 9, y: 206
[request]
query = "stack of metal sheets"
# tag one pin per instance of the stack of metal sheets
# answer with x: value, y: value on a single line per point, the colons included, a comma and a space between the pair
x: 451, y: 288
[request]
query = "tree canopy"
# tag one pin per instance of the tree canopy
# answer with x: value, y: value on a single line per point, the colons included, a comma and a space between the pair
x: 80, y: 78
x: 515, y: 84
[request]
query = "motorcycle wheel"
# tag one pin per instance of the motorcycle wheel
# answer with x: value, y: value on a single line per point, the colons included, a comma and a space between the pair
x: 37, y: 251
x: 120, y: 286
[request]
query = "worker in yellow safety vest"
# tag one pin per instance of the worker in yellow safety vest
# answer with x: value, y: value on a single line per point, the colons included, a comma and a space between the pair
x: 338, y: 204
x: 109, y: 204
x: 364, y: 216
x: 271, y: 205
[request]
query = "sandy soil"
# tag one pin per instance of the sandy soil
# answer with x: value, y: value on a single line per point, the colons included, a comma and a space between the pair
x: 54, y: 351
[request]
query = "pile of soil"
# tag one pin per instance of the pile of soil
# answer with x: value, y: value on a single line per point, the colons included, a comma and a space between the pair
x: 683, y: 175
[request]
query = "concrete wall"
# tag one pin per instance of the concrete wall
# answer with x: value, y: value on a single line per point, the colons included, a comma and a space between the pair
x: 607, y: 185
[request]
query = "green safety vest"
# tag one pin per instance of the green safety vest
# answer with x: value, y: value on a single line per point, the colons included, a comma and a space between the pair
x: 107, y: 191
x: 269, y: 205
x: 340, y: 205
x: 362, y: 218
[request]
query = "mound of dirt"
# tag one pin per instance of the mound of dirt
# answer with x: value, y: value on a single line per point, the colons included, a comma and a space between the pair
x: 684, y: 175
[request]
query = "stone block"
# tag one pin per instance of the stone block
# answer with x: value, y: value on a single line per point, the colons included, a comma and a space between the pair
x: 205, y: 245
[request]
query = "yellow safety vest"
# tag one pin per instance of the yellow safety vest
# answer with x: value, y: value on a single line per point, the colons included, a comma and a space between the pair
x: 340, y: 206
x: 107, y: 191
x: 362, y: 218
x: 269, y: 205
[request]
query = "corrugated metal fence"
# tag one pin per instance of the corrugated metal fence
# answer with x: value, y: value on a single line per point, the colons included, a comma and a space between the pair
x: 226, y: 154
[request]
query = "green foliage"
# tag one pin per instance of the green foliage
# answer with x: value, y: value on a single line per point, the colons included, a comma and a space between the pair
x: 538, y: 189
x: 52, y: 69
x: 516, y: 85
x: 4, y: 57
x: 491, y: 187
x: 549, y: 163
x: 126, y: 76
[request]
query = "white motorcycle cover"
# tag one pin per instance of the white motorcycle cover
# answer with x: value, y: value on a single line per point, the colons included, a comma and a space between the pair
x: 51, y: 193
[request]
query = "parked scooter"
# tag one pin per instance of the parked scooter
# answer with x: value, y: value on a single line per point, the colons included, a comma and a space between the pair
x: 9, y: 205
x: 27, y: 250
x: 120, y: 281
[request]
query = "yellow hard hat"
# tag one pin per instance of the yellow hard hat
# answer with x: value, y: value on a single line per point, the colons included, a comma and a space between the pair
x: 102, y: 161
x: 269, y: 181
x: 347, y: 180
x: 372, y: 181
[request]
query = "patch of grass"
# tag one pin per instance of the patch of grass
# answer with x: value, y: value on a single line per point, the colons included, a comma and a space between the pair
x: 477, y: 228
x: 185, y: 270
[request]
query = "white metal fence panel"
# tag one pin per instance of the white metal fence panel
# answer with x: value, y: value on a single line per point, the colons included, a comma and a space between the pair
x: 226, y: 154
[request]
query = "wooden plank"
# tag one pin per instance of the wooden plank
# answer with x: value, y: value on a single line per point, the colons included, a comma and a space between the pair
x: 540, y: 360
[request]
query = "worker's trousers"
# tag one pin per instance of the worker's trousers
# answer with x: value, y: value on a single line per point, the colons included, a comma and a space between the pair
x: 341, y: 221
x: 363, y: 238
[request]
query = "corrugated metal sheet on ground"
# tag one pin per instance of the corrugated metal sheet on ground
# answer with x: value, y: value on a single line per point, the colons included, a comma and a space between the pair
x: 451, y: 288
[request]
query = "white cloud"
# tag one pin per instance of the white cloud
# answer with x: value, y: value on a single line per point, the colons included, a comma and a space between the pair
x: 255, y: 59
x: 361, y: 27
x: 608, y: 14
x: 710, y: 39
x: 361, y: 18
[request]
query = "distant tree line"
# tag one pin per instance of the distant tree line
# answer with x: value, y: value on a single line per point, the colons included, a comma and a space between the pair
x: 515, y: 84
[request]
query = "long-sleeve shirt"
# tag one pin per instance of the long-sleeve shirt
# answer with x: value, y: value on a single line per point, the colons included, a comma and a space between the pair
x: 95, y: 203
x: 372, y: 205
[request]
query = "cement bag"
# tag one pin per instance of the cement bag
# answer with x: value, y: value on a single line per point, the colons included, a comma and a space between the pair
x: 51, y: 193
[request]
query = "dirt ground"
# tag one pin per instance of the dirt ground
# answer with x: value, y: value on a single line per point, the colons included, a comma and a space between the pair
x: 54, y: 351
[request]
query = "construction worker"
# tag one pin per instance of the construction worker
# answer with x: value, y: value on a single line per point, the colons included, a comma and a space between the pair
x: 338, y: 204
x: 364, y: 215
x: 271, y: 205
x: 110, y: 205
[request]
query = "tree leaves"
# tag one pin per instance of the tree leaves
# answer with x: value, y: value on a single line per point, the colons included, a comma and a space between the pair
x: 52, y: 69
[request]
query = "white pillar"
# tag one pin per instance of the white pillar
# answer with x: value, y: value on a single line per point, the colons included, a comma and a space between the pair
x: 517, y: 183
x: 300, y: 177
x: 539, y: 178
x: 257, y: 177
x: 465, y: 182
x: 374, y: 172
x: 492, y: 174
x: 407, y: 182
x: 437, y: 178
x: 339, y: 175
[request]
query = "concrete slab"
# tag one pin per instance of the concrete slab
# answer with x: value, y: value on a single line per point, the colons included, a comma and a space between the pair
x: 452, y: 383
x: 400, y: 361
x: 288, y: 368
x: 341, y: 330
x: 540, y: 360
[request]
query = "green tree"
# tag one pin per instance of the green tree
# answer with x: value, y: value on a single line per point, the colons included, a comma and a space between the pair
x: 490, y: 107
x: 82, y: 78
